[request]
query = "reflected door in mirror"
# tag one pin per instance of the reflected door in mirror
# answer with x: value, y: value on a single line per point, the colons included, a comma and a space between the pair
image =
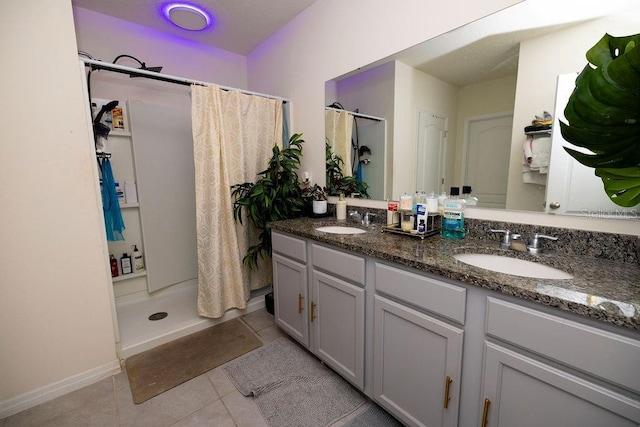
x: 432, y: 134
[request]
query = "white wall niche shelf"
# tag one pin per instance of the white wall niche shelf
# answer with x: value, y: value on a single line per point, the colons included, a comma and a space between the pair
x: 128, y: 276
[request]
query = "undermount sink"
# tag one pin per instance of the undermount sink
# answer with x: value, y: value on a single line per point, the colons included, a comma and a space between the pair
x: 339, y: 229
x: 513, y: 266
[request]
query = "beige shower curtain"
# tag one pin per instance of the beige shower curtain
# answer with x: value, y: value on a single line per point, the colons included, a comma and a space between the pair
x: 233, y: 137
x: 338, y: 130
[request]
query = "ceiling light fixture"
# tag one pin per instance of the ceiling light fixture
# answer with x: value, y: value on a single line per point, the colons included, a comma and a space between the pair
x: 187, y: 16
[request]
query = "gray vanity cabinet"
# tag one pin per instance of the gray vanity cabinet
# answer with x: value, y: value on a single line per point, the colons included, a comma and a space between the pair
x: 319, y: 301
x: 417, y: 360
x: 290, y: 286
x: 560, y: 372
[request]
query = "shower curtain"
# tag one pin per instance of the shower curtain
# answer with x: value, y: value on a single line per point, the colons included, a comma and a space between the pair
x: 233, y: 137
x: 338, y: 130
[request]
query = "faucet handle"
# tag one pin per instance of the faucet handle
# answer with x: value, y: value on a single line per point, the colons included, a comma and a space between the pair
x: 367, y: 218
x: 534, y: 247
x: 506, y: 239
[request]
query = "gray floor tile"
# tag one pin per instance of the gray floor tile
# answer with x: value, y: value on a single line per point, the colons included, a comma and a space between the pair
x: 259, y: 319
x: 221, y: 381
x: 214, y: 415
x: 91, y: 405
x: 167, y: 408
x: 244, y: 410
x: 270, y: 334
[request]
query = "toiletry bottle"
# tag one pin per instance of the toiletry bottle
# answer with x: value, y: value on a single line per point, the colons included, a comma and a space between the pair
x: 341, y: 208
x: 432, y: 203
x: 421, y: 227
x: 125, y: 263
x: 392, y: 213
x: 468, y: 198
x: 453, y: 216
x: 114, y: 265
x: 138, y: 262
x: 441, y: 199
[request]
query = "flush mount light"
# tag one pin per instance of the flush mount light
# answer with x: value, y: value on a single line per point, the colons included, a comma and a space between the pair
x: 187, y: 16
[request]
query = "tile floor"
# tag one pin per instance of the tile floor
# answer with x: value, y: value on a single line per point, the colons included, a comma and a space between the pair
x: 207, y: 400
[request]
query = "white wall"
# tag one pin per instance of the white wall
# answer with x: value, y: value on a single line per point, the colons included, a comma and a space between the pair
x: 417, y: 91
x: 536, y: 86
x: 55, y: 296
x: 492, y: 96
x: 105, y: 38
x: 333, y: 37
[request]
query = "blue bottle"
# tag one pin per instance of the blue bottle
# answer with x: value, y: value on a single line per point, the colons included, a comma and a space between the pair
x: 453, y: 216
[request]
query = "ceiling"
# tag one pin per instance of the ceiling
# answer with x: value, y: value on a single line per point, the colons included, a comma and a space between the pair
x: 239, y: 25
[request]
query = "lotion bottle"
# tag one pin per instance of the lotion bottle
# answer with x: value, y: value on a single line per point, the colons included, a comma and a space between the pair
x: 138, y: 262
x: 341, y: 208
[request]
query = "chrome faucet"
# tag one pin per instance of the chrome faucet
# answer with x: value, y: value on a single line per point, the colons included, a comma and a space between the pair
x: 354, y: 215
x: 534, y: 247
x: 507, y: 238
x: 366, y: 221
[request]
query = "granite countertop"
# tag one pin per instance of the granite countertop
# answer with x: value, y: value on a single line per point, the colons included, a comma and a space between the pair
x: 600, y: 289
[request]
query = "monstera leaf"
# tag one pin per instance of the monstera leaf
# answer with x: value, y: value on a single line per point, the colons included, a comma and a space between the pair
x: 603, y: 115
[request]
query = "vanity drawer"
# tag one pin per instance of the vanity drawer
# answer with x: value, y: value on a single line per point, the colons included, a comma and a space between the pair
x: 289, y: 246
x: 433, y: 295
x: 611, y: 357
x: 338, y: 263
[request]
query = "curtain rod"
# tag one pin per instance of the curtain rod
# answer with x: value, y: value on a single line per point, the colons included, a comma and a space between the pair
x: 362, y: 116
x: 101, y: 65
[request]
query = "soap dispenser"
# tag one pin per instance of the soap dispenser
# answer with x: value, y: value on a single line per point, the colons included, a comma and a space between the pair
x: 341, y: 208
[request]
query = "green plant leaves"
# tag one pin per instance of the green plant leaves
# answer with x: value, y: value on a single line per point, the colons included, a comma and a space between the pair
x: 275, y: 196
x: 603, y: 115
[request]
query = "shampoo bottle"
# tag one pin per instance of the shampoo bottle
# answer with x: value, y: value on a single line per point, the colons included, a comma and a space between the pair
x: 125, y: 264
x: 453, y: 216
x: 138, y: 262
x: 341, y: 208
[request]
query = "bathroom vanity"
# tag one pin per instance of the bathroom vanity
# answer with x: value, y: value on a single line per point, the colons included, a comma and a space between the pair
x: 438, y: 342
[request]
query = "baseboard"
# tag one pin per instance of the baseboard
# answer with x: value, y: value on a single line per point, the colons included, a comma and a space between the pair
x: 59, y: 388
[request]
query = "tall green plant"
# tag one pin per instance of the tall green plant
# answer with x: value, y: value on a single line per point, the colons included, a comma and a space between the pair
x: 337, y: 183
x: 277, y: 195
x: 604, y: 116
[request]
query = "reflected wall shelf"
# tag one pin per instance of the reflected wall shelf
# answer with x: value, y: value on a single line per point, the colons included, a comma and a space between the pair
x: 128, y: 276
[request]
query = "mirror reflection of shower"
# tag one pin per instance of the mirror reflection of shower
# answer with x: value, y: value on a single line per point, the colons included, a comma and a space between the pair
x: 368, y: 149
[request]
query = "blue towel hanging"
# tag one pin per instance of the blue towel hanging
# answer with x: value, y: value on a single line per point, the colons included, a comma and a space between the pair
x: 110, y: 205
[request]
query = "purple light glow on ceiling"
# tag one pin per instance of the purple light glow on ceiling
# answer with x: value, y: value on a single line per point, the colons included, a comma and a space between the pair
x: 170, y: 7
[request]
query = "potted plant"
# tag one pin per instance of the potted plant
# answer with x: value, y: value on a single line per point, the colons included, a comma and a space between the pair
x: 603, y: 115
x: 277, y: 195
x: 319, y: 199
x: 337, y: 183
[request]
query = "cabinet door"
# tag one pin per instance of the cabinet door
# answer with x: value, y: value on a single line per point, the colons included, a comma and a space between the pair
x: 417, y: 360
x: 520, y: 391
x: 290, y: 297
x: 338, y: 325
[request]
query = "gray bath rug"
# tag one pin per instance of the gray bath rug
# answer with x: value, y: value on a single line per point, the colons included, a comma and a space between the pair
x: 291, y: 387
x: 374, y: 416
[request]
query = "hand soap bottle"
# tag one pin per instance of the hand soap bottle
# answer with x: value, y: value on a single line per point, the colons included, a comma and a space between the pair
x: 341, y: 208
x: 453, y: 216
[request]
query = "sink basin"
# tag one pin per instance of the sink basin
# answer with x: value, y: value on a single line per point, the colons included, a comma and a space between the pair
x: 338, y: 229
x: 513, y: 266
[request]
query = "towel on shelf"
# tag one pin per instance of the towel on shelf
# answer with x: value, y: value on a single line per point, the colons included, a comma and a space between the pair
x: 110, y: 206
x: 541, y: 154
x: 536, y: 153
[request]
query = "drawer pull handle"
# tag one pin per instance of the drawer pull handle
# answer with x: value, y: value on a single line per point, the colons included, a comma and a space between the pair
x: 300, y: 308
x: 311, y: 314
x: 485, y: 412
x: 447, y: 398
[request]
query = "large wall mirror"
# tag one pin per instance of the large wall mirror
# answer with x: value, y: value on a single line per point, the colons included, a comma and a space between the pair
x: 455, y: 108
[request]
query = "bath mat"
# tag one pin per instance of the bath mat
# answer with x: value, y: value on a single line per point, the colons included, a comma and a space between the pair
x: 164, y: 367
x: 374, y: 416
x: 291, y: 387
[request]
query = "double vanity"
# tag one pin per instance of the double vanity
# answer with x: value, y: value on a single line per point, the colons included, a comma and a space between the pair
x: 436, y: 340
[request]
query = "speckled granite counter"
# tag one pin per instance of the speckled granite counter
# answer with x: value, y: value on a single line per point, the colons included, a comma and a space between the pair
x: 600, y: 289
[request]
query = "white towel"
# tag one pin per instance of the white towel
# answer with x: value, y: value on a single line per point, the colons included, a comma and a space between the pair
x: 541, y: 154
x: 526, y: 151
